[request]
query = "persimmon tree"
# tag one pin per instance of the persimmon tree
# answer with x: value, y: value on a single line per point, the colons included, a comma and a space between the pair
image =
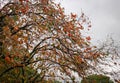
x: 39, y: 42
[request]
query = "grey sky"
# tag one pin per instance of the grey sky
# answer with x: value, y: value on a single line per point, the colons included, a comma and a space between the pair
x: 104, y: 15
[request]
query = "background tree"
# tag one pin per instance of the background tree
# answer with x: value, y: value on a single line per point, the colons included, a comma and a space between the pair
x: 96, y: 79
x: 37, y: 35
x: 110, y: 64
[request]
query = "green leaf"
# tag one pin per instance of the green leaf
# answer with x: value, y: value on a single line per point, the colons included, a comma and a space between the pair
x: 15, y: 17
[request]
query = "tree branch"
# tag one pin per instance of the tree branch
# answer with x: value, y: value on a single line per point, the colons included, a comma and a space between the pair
x: 9, y: 69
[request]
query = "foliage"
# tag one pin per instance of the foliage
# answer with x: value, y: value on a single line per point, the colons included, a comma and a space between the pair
x: 96, y: 79
x: 37, y: 37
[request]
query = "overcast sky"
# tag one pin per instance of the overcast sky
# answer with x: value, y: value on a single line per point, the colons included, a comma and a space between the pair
x: 104, y: 15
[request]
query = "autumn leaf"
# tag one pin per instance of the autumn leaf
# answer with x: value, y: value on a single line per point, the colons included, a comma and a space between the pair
x: 87, y: 49
x: 23, y: 10
x: 15, y: 37
x: 7, y: 59
x: 73, y: 15
x: 16, y: 28
x: 20, y: 0
x: 88, y: 38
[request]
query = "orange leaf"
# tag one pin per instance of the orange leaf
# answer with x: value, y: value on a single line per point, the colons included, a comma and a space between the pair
x: 89, y: 26
x: 15, y: 28
x: 73, y: 15
x: 88, y: 49
x: 88, y: 38
x: 15, y: 37
x: 23, y: 10
x: 7, y: 59
x: 69, y: 34
x: 20, y: 0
